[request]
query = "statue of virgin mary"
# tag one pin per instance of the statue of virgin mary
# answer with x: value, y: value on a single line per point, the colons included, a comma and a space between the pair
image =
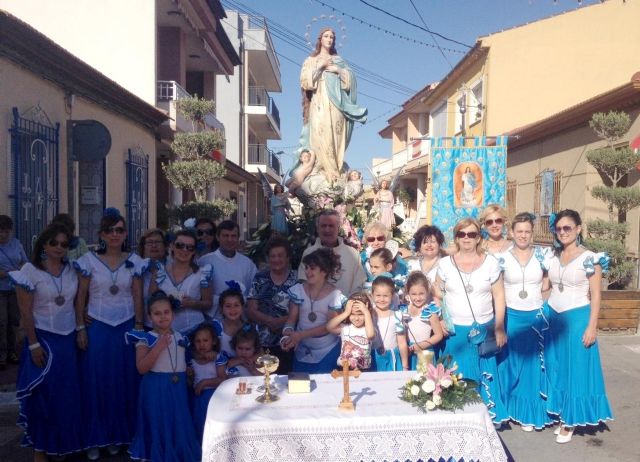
x: 329, y: 95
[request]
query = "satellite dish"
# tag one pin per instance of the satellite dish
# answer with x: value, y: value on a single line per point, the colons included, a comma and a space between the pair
x: 90, y: 140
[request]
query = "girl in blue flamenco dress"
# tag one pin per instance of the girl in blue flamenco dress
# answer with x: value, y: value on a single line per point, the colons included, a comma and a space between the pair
x: 164, y: 429
x: 577, y: 395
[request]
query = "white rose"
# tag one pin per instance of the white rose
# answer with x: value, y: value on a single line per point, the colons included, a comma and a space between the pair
x: 415, y: 389
x: 428, y: 386
x: 437, y: 400
x: 417, y: 377
x: 446, y: 383
x: 430, y: 405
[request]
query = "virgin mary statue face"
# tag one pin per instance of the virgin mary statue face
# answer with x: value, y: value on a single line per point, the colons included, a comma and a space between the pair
x: 327, y: 39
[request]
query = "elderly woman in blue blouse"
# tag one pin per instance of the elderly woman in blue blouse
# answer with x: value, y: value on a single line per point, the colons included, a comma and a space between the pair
x: 48, y: 381
x: 521, y: 367
x: 189, y: 284
x: 312, y: 303
x: 470, y: 283
x: 577, y: 395
x: 110, y: 287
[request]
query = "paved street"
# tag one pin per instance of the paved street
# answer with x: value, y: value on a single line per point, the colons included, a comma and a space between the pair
x: 618, y: 442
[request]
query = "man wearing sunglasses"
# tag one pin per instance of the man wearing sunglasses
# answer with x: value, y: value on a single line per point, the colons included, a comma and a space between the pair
x: 351, y: 276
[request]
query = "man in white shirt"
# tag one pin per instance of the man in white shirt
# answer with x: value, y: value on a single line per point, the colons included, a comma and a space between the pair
x: 351, y: 276
x: 228, y: 264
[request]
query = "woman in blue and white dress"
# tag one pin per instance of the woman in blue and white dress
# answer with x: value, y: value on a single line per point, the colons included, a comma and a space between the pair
x: 311, y: 305
x: 521, y: 366
x: 577, y: 395
x: 182, y: 279
x: 110, y: 287
x: 48, y: 382
x: 470, y: 282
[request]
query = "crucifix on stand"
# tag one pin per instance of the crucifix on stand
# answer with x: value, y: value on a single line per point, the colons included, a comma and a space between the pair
x: 346, y: 404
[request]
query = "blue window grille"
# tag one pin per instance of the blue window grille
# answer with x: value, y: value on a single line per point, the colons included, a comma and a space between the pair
x: 137, y: 195
x: 35, y: 174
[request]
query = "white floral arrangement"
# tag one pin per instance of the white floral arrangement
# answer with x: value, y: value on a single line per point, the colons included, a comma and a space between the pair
x: 439, y: 387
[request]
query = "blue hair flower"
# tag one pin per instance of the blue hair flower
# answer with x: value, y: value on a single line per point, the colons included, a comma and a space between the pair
x: 248, y: 327
x: 412, y: 245
x: 189, y: 223
x: 233, y: 285
x: 176, y: 305
x: 552, y: 223
x: 111, y: 212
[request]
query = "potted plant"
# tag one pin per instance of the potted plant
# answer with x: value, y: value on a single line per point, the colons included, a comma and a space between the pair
x: 194, y: 169
x: 620, y: 309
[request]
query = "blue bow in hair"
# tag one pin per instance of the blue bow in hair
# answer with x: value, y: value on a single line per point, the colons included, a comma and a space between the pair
x: 552, y: 223
x: 233, y: 285
x: 176, y: 305
x: 248, y: 327
x: 111, y: 212
x: 412, y: 245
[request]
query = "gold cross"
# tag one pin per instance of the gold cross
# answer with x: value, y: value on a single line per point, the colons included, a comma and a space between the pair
x: 346, y: 404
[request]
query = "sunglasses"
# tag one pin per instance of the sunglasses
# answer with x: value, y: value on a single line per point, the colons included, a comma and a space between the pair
x: 378, y: 238
x: 56, y: 243
x: 564, y: 229
x: 115, y: 229
x: 497, y: 221
x: 183, y: 246
x: 153, y: 242
x: 205, y: 232
x: 470, y: 234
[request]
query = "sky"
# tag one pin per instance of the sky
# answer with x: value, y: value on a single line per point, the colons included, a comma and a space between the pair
x: 377, y: 55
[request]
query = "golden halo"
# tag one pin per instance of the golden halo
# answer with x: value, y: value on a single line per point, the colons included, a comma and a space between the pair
x: 340, y: 30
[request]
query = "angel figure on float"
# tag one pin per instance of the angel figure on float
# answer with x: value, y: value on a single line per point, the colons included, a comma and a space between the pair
x: 278, y: 205
x: 354, y: 187
x: 304, y: 167
x: 384, y: 199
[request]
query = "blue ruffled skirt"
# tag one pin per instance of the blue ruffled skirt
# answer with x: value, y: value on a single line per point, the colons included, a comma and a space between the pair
x: 388, y: 361
x: 49, y: 410
x: 482, y: 370
x: 199, y: 406
x: 110, y: 384
x: 577, y: 394
x: 325, y: 366
x: 521, y: 368
x: 164, y: 431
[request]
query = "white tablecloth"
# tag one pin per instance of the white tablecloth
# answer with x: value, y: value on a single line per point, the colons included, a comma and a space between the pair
x: 310, y: 427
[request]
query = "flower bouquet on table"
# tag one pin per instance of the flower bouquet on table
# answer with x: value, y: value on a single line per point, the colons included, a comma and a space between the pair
x: 439, y: 387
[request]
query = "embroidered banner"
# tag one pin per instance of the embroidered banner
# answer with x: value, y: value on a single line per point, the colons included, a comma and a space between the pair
x: 466, y: 179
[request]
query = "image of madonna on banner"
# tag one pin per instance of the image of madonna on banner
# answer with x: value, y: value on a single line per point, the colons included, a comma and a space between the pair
x: 466, y: 178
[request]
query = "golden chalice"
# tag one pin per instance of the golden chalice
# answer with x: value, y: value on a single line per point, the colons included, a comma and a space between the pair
x: 267, y: 364
x: 425, y: 357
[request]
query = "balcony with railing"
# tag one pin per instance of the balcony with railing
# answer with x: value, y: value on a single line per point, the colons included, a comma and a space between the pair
x: 261, y: 157
x: 170, y: 91
x: 262, y: 59
x: 262, y: 108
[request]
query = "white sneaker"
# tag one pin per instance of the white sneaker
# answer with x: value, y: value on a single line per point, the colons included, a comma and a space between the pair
x: 557, y: 430
x: 93, y: 454
x: 566, y: 437
x: 526, y: 428
x: 113, y: 449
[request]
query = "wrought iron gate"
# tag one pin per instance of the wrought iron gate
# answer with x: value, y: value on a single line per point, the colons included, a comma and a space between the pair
x: 35, y: 167
x: 137, y: 195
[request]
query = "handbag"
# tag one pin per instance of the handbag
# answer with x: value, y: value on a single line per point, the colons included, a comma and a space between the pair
x: 482, y: 336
